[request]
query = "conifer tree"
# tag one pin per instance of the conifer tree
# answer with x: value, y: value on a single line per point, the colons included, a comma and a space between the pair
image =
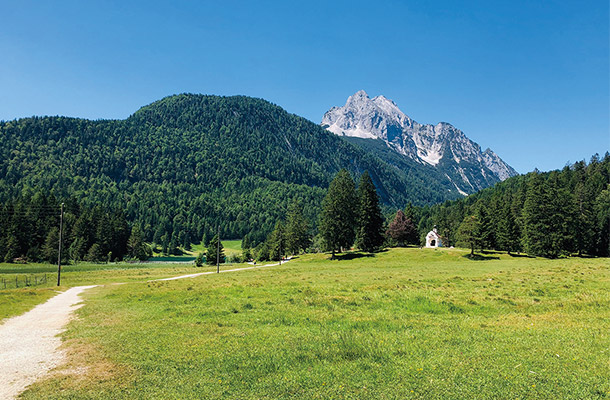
x: 339, y: 211
x: 136, y: 248
x: 245, y: 248
x: 542, y: 231
x: 602, y: 209
x: 199, y: 260
x: 411, y: 215
x: 370, y: 221
x: 468, y: 232
x: 277, y: 242
x: 508, y: 230
x: 297, y: 229
x: 485, y: 230
x: 12, y: 249
x: 211, y: 253
x: 50, y: 248
x: 95, y: 253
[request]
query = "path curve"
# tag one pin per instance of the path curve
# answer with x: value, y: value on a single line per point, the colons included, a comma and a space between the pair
x: 214, y: 272
x: 29, y: 345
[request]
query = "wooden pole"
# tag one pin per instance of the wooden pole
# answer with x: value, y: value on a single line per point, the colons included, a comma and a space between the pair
x: 218, y: 252
x: 61, y: 227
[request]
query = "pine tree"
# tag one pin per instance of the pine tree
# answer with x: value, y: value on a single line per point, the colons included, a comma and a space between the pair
x: 245, y: 243
x: 50, y: 249
x: 136, y: 248
x: 338, y: 217
x: 485, y: 229
x: 508, y: 230
x: 173, y: 246
x: 468, y: 232
x: 95, y: 253
x: 11, y: 249
x: 543, y: 234
x: 297, y: 229
x: 199, y: 260
x: 602, y: 209
x: 246, y: 248
x: 211, y: 253
x: 370, y: 221
x: 277, y: 242
x: 78, y: 249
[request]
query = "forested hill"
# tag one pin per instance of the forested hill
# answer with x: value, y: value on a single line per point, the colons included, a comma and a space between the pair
x: 543, y: 214
x: 187, y: 163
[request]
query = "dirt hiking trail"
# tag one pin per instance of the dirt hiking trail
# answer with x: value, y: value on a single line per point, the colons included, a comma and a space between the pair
x: 29, y: 345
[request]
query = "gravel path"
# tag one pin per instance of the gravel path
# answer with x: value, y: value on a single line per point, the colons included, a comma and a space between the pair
x: 29, y: 345
x: 226, y: 270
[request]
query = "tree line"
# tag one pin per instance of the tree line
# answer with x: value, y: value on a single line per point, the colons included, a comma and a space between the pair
x: 548, y: 214
x: 542, y: 214
x: 30, y: 229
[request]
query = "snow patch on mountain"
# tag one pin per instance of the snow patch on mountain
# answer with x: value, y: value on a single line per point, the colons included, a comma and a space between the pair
x: 441, y: 145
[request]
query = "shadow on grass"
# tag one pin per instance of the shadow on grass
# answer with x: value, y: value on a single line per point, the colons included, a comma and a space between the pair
x: 480, y: 257
x: 352, y: 256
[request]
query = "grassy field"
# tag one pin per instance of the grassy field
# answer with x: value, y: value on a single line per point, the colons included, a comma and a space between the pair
x: 406, y: 323
x: 16, y: 301
x: 231, y: 247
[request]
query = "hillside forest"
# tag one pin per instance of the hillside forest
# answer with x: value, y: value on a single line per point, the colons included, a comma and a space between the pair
x: 186, y: 165
x: 551, y: 214
x: 542, y: 214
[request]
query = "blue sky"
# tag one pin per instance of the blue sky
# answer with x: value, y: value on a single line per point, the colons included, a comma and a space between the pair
x: 528, y: 79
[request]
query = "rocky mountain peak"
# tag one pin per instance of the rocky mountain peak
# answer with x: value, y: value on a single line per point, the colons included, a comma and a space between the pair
x: 442, y: 145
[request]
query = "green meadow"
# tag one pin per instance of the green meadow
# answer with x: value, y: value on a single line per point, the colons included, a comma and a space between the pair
x: 401, y: 324
x: 16, y: 301
x: 231, y: 248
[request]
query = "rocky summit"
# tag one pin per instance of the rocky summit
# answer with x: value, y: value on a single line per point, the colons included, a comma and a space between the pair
x: 441, y: 146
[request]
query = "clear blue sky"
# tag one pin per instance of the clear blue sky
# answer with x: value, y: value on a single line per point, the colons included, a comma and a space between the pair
x: 528, y: 79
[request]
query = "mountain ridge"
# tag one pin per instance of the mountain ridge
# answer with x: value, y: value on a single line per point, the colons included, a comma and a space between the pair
x: 442, y: 145
x: 188, y: 163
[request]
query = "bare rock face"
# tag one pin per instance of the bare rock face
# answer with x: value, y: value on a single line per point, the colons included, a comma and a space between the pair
x: 442, y: 145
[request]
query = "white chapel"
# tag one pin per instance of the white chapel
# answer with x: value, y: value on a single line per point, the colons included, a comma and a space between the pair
x: 433, y: 239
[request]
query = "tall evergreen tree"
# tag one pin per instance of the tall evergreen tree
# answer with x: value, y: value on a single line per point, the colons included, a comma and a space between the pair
x: 542, y: 226
x: 277, y: 242
x: 485, y: 227
x: 11, y: 249
x: 412, y: 218
x: 602, y: 209
x: 136, y: 248
x: 370, y: 221
x: 211, y: 253
x: 508, y: 230
x: 297, y: 229
x: 50, y: 250
x: 339, y: 211
x: 468, y: 232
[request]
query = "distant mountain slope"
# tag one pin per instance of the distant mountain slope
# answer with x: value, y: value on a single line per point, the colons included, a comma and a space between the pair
x: 189, y: 163
x: 442, y: 146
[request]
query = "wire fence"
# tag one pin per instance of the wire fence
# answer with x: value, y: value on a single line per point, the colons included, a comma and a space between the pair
x: 22, y: 281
